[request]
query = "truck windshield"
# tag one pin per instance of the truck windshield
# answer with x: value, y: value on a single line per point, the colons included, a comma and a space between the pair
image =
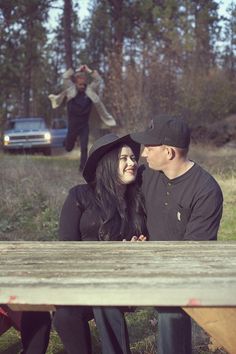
x: 26, y: 125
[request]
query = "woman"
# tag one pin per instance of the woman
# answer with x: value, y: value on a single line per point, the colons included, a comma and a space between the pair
x: 34, y: 328
x: 108, y: 208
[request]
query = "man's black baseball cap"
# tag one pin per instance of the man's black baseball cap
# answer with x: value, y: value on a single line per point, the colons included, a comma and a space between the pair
x: 165, y: 130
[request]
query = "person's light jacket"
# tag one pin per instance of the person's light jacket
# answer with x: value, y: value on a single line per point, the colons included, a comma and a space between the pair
x: 91, y: 91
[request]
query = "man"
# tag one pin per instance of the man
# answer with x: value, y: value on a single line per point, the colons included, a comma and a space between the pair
x: 183, y: 202
x: 80, y: 98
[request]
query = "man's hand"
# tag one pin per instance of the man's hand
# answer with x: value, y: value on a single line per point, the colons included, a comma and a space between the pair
x: 85, y: 68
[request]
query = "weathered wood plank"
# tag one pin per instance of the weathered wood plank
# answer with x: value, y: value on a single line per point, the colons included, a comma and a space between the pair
x: 117, y: 273
x: 25, y: 307
x: 220, y: 323
x: 101, y: 273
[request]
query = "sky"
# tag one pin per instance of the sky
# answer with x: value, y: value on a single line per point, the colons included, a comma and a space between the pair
x: 224, y: 4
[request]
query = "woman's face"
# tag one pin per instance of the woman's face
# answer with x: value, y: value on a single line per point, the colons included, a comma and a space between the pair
x: 127, y: 165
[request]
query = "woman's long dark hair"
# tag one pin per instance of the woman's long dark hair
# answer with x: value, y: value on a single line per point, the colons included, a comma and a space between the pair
x: 122, y: 215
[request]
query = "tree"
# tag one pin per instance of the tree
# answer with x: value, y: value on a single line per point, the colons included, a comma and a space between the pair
x: 206, y: 18
x: 229, y: 54
x: 22, y: 43
x: 67, y: 32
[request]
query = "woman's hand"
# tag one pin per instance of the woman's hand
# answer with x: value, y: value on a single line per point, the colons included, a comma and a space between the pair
x: 137, y: 238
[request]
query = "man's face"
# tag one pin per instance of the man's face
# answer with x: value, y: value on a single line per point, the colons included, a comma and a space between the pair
x: 81, y: 83
x: 156, y: 157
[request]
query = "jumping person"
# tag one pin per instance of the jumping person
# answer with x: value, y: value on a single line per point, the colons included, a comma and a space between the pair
x: 80, y: 97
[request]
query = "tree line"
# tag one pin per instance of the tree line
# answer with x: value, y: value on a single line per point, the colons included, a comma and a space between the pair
x: 155, y: 56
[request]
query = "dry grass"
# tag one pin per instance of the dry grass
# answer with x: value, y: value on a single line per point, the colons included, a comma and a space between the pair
x: 32, y: 190
x: 218, y: 161
x: 221, y: 162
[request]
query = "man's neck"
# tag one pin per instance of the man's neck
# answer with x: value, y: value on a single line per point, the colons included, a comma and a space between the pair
x: 178, y: 168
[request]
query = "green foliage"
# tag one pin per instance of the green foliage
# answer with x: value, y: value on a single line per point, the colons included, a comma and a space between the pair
x: 166, y: 52
x: 10, y: 342
x: 22, y: 46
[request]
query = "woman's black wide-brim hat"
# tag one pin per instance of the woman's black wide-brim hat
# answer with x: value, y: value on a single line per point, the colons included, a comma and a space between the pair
x: 103, y: 145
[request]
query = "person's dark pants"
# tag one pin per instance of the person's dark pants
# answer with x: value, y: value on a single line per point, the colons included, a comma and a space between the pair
x: 71, y: 323
x: 112, y: 329
x: 83, y: 133
x: 174, y: 331
x: 35, y: 332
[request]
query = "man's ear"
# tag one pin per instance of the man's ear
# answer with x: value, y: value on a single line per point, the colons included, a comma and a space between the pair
x: 170, y: 152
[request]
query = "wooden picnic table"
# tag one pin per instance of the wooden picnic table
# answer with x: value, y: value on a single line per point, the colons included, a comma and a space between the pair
x: 198, y: 276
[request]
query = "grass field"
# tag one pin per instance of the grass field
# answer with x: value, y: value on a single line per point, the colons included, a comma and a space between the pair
x: 32, y: 190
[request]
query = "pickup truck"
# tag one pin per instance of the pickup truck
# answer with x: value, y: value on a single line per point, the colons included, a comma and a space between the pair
x: 58, y: 132
x: 26, y: 134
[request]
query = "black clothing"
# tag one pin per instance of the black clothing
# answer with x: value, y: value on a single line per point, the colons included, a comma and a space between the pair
x: 112, y: 330
x: 85, y: 218
x: 71, y: 323
x: 78, y: 110
x: 174, y: 331
x: 79, y: 209
x: 69, y: 143
x: 35, y: 332
x: 188, y: 207
x: 80, y: 220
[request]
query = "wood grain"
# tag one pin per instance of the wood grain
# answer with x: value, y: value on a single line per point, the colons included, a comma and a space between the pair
x: 198, y: 276
x: 118, y: 273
